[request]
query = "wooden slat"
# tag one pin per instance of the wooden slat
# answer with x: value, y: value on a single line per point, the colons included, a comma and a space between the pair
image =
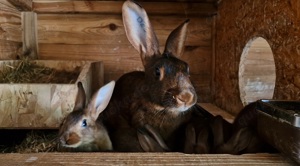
x: 214, y: 110
x: 115, y: 7
x: 30, y: 42
x: 9, y: 50
x: 108, y: 29
x: 45, y: 159
x: 10, y: 22
x: 22, y: 5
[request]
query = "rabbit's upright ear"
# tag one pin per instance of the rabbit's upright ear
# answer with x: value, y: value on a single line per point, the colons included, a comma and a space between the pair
x: 100, y: 100
x: 139, y: 30
x: 80, y: 98
x: 176, y: 40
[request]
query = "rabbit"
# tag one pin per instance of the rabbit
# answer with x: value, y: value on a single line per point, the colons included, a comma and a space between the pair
x: 160, y: 96
x: 244, y: 137
x: 198, y: 135
x: 81, y: 130
x: 150, y: 140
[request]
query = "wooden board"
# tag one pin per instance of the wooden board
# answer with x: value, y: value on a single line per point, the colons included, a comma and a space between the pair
x: 45, y: 159
x: 10, y: 31
x: 43, y: 105
x: 214, y: 110
x: 10, y: 22
x: 114, y: 7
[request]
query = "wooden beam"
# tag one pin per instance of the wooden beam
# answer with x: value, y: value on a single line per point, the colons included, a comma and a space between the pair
x: 114, y: 7
x: 22, y: 5
x: 30, y: 43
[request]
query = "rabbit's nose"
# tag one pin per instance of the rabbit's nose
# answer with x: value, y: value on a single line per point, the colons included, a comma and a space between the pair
x: 71, y: 139
x: 186, y: 98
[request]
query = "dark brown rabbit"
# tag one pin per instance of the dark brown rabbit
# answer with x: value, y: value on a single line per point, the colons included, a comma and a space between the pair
x: 81, y: 130
x: 160, y: 96
x: 244, y: 137
x: 198, y: 135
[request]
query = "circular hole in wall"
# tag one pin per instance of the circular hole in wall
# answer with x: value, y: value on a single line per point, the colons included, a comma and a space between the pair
x: 257, y: 73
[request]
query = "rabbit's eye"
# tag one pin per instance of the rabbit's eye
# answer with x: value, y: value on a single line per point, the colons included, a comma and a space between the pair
x: 84, y: 124
x: 157, y: 72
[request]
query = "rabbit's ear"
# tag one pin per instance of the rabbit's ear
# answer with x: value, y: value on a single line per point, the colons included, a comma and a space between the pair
x: 139, y: 30
x: 176, y: 40
x: 190, y: 139
x: 147, y: 143
x: 80, y: 98
x: 100, y: 100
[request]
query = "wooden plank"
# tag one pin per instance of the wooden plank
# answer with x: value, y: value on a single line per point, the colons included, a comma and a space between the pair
x: 74, y: 159
x: 22, y: 5
x: 115, y: 7
x: 29, y: 25
x: 42, y: 105
x: 108, y: 29
x: 10, y: 22
x: 9, y: 50
x: 214, y: 110
x: 120, y: 57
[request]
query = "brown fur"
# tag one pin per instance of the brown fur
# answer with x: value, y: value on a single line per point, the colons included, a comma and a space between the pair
x: 81, y: 131
x: 161, y: 96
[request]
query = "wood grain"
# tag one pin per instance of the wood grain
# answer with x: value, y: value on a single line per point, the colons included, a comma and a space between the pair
x: 114, y: 7
x: 38, y: 105
x: 9, y: 49
x: 108, y: 29
x: 30, y: 42
x: 45, y: 159
x: 22, y: 5
x: 10, y: 22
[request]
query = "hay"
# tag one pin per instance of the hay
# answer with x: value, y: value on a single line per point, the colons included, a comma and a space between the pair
x: 34, y: 142
x: 27, y: 71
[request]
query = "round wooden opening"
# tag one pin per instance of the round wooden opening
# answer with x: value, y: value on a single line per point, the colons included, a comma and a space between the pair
x: 256, y: 71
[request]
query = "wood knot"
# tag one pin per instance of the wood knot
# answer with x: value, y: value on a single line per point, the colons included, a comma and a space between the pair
x: 112, y: 26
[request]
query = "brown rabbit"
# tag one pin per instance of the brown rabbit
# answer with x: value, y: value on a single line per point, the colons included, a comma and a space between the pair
x: 81, y: 130
x: 198, y: 136
x: 160, y: 96
x: 244, y: 137
x: 150, y: 140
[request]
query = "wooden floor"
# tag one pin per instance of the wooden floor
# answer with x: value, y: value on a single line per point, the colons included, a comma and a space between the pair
x: 75, y: 159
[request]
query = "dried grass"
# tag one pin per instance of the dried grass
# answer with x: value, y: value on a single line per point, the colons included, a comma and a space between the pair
x: 27, y: 71
x: 34, y: 142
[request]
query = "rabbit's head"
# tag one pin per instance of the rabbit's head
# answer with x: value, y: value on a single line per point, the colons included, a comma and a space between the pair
x: 167, y: 82
x: 80, y: 129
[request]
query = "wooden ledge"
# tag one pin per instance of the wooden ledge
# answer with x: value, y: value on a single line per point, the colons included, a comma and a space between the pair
x: 214, y: 110
x: 74, y: 159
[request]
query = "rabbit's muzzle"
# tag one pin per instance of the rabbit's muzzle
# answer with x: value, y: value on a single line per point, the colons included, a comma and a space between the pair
x: 70, y: 139
x: 183, y: 95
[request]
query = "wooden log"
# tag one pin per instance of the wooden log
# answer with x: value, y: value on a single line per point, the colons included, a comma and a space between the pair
x: 22, y: 5
x: 115, y: 7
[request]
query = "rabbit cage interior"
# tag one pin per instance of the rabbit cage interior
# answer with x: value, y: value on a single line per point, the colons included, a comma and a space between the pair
x: 238, y: 52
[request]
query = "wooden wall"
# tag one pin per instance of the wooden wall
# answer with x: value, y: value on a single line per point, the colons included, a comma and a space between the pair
x: 257, y: 73
x: 238, y: 22
x: 93, y: 30
x: 10, y: 31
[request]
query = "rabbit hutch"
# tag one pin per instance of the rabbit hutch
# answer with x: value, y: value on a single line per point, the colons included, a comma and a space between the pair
x: 238, y: 52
